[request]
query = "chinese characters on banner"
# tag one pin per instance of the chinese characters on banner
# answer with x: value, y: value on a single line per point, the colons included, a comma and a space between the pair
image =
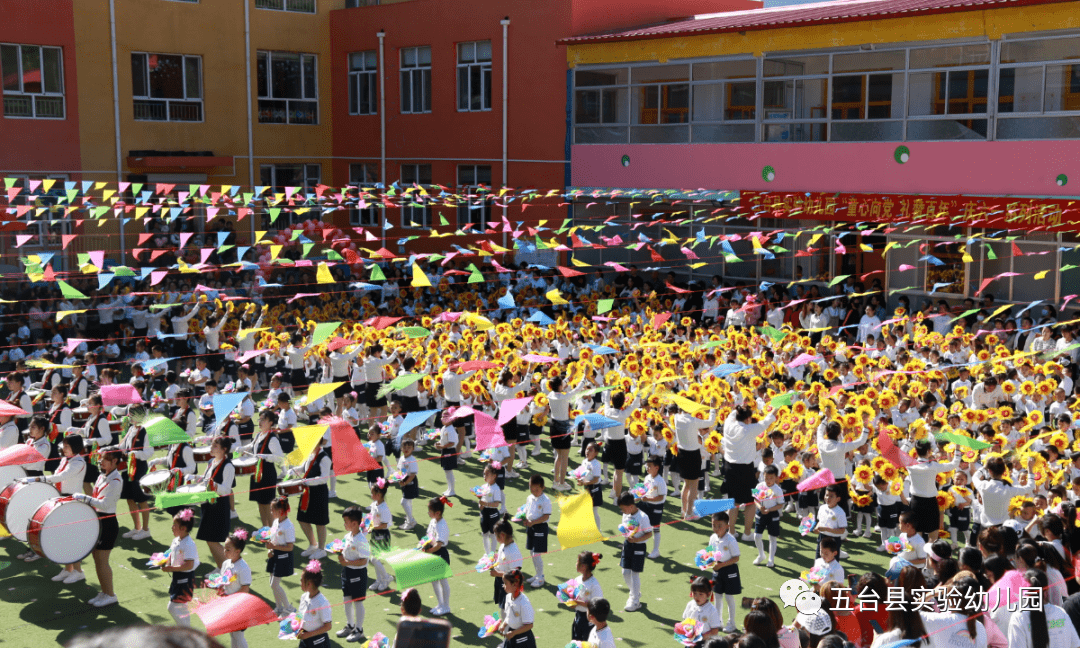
x: 974, y: 211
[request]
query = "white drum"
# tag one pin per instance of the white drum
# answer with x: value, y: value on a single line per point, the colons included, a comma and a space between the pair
x: 156, y: 482
x: 19, y: 501
x: 63, y: 530
x: 247, y: 465
x: 9, y: 474
x: 192, y: 488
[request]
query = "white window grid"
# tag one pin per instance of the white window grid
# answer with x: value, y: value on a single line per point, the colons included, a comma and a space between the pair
x: 416, y: 80
x: 295, y: 6
x: 188, y: 108
x: 475, y: 203
x: 271, y: 176
x: 19, y: 103
x: 416, y: 214
x: 474, y: 76
x: 364, y: 176
x: 302, y: 110
x: 363, y: 83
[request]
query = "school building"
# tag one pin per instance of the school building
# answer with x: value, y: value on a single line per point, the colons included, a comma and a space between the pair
x: 835, y: 113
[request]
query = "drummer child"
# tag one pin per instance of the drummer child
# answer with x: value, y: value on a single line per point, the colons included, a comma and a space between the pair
x: 315, y: 500
x: 69, y: 477
x: 206, y: 404
x: 105, y: 496
x: 40, y: 442
x: 183, y: 559
x: 235, y: 563
x: 279, y: 554
x: 9, y: 432
x: 98, y: 433
x: 267, y: 449
x: 138, y: 452
x: 180, y: 459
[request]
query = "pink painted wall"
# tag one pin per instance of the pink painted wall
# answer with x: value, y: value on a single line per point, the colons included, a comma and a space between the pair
x: 992, y: 168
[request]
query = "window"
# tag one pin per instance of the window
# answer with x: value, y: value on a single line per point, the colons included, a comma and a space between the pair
x: 288, y: 90
x: 661, y: 97
x: 283, y: 178
x: 601, y: 104
x: 416, y: 213
x: 33, y: 81
x: 363, y: 92
x: 1038, y: 84
x: 474, y: 76
x: 48, y: 228
x: 167, y: 87
x: 353, y: 4
x: 364, y: 176
x: 299, y: 6
x: 416, y: 80
x: 474, y: 184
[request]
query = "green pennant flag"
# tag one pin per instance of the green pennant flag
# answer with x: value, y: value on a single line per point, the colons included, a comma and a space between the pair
x: 774, y: 334
x: 594, y: 390
x: 962, y: 440
x: 274, y: 213
x: 163, y: 431
x: 604, y: 305
x: 161, y: 306
x: 412, y: 567
x: 323, y: 331
x: 377, y: 273
x: 442, y: 221
x: 68, y: 292
x: 399, y: 383
x: 169, y: 500
x: 837, y: 279
x: 783, y: 400
x: 712, y: 345
x: 415, y: 331
x: 307, y: 249
x: 333, y: 256
x: 540, y: 245
x: 731, y: 258
x: 965, y: 314
x: 990, y: 252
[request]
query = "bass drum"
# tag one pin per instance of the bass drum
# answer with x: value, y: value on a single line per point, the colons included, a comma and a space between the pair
x: 63, y: 530
x: 9, y: 474
x: 19, y: 501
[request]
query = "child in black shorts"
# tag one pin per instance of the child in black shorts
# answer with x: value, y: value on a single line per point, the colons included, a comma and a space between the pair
x: 726, y: 581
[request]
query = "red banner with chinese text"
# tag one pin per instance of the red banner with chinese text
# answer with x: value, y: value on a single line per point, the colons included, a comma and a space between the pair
x: 969, y: 211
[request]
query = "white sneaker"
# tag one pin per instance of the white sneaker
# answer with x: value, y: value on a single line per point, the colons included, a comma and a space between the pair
x: 141, y: 535
x: 562, y: 487
x: 332, y: 493
x: 61, y: 576
x: 869, y: 534
x: 128, y: 534
x: 632, y: 606
x: 234, y: 515
x: 356, y: 636
x: 538, y: 582
x: 843, y: 555
x: 654, y: 555
x: 856, y: 533
x: 770, y: 564
x: 307, y: 552
x: 75, y: 577
x: 97, y: 598
x: 534, y: 453
x: 759, y: 560
x: 407, y: 526
x: 32, y: 558
x: 521, y: 464
x: 106, y: 600
x: 439, y: 611
x: 729, y: 630
x: 318, y: 554
x: 880, y: 549
x: 345, y: 632
x: 746, y: 537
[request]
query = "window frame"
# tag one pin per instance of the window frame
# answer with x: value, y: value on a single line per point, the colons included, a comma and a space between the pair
x: 40, y: 227
x: 464, y: 72
x: 147, y: 99
x: 465, y: 210
x: 409, y: 213
x: 306, y: 169
x: 1074, y: 70
x: 304, y: 57
x: 33, y: 96
x: 356, y: 218
x: 284, y: 8
x: 412, y: 72
x: 367, y: 76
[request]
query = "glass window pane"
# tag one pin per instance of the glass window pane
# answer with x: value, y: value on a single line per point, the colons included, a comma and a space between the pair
x: 9, y: 67
x: 408, y: 57
x: 1062, y: 88
x: 796, y: 65
x: 476, y: 97
x: 725, y: 70
x: 264, y: 80
x: 138, y: 75
x: 935, y: 57
x: 810, y: 98
x: 613, y: 105
x: 616, y: 76
x: 741, y: 100
x: 425, y: 174
x: 727, y: 132
x: 1053, y: 49
x: 426, y: 76
x: 587, y: 107
x: 483, y: 51
x: 285, y: 75
x: 676, y: 108
x: 708, y: 102
x: 408, y: 174
x: 868, y: 61
x: 371, y: 60
x: 406, y: 91
x: 926, y: 93
x: 483, y: 175
x: 192, y: 77
x: 466, y: 175
x: 466, y: 52
x: 310, y: 81
x: 31, y: 68
x: 423, y: 55
x: 647, y: 105
x: 166, y: 76
x: 849, y: 98
x: 660, y: 73
x: 867, y: 131
x: 487, y: 88
x: 1026, y: 128
x: 949, y: 129
x: 266, y: 175
x: 1020, y: 89
x: 356, y: 61
x: 51, y: 69
x: 668, y: 134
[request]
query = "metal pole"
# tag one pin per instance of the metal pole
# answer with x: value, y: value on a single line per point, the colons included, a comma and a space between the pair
x: 382, y: 124
x: 116, y: 118
x: 250, y: 136
x: 505, y: 22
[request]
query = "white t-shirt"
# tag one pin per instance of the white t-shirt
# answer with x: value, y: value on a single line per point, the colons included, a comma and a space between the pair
x: 642, y: 520
x: 1062, y: 631
x: 241, y: 570
x: 381, y: 513
x: 314, y: 611
x: 519, y: 611
x: 356, y: 547
x: 706, y: 614
x: 949, y: 630
x: 537, y: 507
x: 508, y: 558
x: 728, y: 546
x: 282, y: 532
x: 439, y: 531
x: 183, y: 550
x: 832, y: 518
x: 602, y: 638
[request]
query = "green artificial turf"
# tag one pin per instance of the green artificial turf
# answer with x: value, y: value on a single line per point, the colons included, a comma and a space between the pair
x: 34, y: 611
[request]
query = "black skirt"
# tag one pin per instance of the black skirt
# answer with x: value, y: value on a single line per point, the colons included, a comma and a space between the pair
x: 92, y: 473
x: 559, y: 431
x: 245, y: 430
x: 297, y: 378
x: 615, y: 453
x: 581, y: 628
x: 409, y: 404
x: 412, y: 489
x: 317, y: 511
x: 927, y: 514
x: 214, y: 521
x: 280, y: 564
x: 690, y: 466
x: 319, y: 641
x: 131, y: 490
x: 182, y: 587
x: 354, y: 583
x: 109, y: 530
x: 635, y: 464
x: 449, y: 458
x: 262, y: 490
x: 342, y: 389
x: 371, y: 395
x: 374, y: 475
x: 740, y: 482
x: 380, y: 539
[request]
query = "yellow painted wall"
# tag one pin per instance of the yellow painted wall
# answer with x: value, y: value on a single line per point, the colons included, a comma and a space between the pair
x: 991, y: 23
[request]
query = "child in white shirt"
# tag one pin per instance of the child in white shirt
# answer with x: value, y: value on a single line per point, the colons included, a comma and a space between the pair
x: 701, y: 609
x: 600, y: 636
x: 241, y: 577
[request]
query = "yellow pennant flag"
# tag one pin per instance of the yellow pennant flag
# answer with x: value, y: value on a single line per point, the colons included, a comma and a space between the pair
x: 479, y: 321
x: 4, y: 533
x: 687, y: 405
x: 419, y: 279
x: 275, y: 250
x: 323, y: 274
x: 306, y: 438
x: 967, y: 257
x: 62, y: 314
x: 1041, y: 275
x: 318, y: 390
x: 556, y: 297
x: 243, y: 333
x: 576, y: 523
x: 580, y: 264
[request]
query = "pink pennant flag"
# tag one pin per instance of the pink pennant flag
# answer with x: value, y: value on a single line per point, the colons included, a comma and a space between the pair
x: 660, y: 319
x: 802, y: 359
x: 488, y: 432
x: 156, y: 276
x: 70, y: 345
x: 234, y: 613
x: 21, y: 239
x: 301, y: 296
x: 97, y: 257
x: 205, y: 254
x: 905, y: 266
x: 65, y: 239
x: 123, y: 394
x: 498, y: 267
x: 985, y: 282
x: 840, y: 249
x: 617, y: 267
x: 248, y: 355
x: 532, y: 357
x: 822, y: 479
x: 510, y: 408
x: 689, y: 253
x: 20, y: 454
x: 892, y: 453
